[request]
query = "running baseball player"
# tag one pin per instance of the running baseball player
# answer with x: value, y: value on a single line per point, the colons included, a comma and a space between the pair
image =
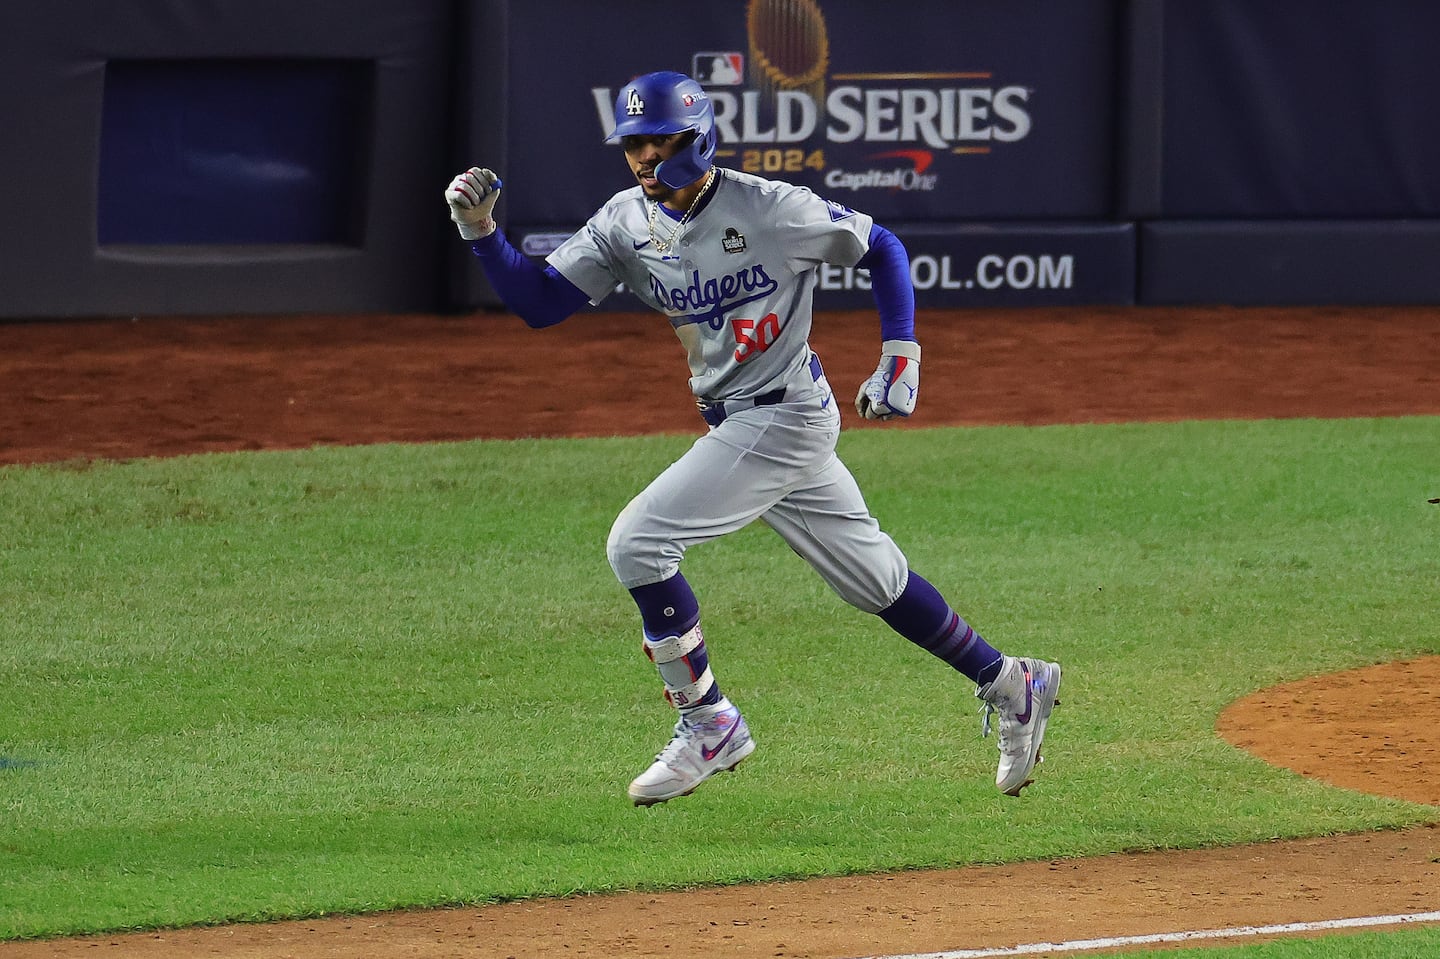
x: 732, y: 261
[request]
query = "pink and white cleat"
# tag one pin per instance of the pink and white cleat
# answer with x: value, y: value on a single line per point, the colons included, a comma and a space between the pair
x: 707, y: 741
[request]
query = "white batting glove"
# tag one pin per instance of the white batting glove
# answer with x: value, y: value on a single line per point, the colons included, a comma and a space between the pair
x: 472, y: 197
x: 891, y: 390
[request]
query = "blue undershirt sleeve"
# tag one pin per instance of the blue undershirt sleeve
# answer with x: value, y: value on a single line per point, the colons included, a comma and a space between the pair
x: 889, y: 267
x: 540, y: 297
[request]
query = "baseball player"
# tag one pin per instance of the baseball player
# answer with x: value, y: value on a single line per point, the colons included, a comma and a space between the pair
x: 732, y: 261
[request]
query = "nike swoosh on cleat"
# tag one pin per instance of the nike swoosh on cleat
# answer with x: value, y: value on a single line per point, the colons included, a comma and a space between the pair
x: 707, y: 753
x: 1029, y: 701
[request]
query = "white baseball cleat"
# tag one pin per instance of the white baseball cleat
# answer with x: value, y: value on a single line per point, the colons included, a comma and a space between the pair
x: 1022, y: 696
x: 713, y: 742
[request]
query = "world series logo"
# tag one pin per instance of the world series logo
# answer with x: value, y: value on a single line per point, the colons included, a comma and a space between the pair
x: 781, y: 110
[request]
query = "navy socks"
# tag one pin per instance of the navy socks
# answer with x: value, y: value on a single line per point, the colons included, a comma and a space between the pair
x: 922, y: 616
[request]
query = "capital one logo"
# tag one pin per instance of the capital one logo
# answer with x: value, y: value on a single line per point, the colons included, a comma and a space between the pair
x: 634, y: 106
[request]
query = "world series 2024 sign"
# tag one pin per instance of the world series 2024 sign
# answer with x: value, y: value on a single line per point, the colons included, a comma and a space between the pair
x: 787, y: 136
x: 954, y: 111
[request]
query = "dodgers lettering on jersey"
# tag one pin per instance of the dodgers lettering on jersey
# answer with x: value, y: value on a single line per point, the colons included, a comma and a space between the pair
x: 718, y: 295
x: 738, y: 284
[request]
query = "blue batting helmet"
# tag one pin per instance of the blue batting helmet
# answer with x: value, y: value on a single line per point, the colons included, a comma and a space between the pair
x: 662, y: 103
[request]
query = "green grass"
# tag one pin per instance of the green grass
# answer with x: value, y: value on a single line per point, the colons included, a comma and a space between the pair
x: 1405, y: 944
x: 287, y: 684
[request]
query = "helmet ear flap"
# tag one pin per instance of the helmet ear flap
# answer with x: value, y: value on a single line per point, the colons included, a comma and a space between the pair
x: 703, y: 146
x: 689, y: 163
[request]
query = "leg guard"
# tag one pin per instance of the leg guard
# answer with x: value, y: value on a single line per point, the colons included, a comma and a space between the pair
x: 684, y: 667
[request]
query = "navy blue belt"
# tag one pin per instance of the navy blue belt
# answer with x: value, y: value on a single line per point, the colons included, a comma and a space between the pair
x: 715, y: 412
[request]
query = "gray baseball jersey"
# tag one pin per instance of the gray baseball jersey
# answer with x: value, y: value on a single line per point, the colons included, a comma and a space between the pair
x: 737, y: 282
x: 738, y: 285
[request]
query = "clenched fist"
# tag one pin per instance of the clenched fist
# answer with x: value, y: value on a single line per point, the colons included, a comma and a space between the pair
x: 471, y: 197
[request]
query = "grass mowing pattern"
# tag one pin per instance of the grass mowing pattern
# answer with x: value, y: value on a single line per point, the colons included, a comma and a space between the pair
x: 260, y: 685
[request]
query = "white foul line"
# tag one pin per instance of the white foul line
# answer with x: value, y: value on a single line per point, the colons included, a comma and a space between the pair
x: 1081, y: 945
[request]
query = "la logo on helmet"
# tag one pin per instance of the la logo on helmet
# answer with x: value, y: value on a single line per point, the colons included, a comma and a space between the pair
x: 634, y: 106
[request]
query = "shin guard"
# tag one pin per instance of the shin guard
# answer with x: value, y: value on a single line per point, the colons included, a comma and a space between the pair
x: 684, y: 667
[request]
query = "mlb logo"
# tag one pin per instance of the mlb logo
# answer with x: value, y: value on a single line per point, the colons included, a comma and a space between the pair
x: 718, y: 69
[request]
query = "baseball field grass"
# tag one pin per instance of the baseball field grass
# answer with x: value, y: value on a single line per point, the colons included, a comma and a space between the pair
x: 1409, y: 944
x: 251, y: 686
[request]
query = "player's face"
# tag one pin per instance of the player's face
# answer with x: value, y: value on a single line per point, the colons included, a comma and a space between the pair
x: 644, y: 154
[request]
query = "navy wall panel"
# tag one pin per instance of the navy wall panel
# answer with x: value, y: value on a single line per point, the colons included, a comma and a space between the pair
x: 1294, y: 109
x: 1141, y: 111
x: 1288, y: 262
x: 1298, y: 154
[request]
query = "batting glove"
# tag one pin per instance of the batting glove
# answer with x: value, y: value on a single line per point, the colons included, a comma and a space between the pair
x: 891, y: 390
x: 472, y: 197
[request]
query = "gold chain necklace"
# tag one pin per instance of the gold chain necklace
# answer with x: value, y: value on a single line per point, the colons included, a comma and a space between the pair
x: 664, y: 246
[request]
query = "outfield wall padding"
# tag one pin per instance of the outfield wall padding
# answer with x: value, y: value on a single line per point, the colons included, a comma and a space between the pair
x: 219, y: 156
x: 1250, y: 263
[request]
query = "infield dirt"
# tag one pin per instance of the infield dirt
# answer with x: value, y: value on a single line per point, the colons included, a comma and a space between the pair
x: 122, y: 388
